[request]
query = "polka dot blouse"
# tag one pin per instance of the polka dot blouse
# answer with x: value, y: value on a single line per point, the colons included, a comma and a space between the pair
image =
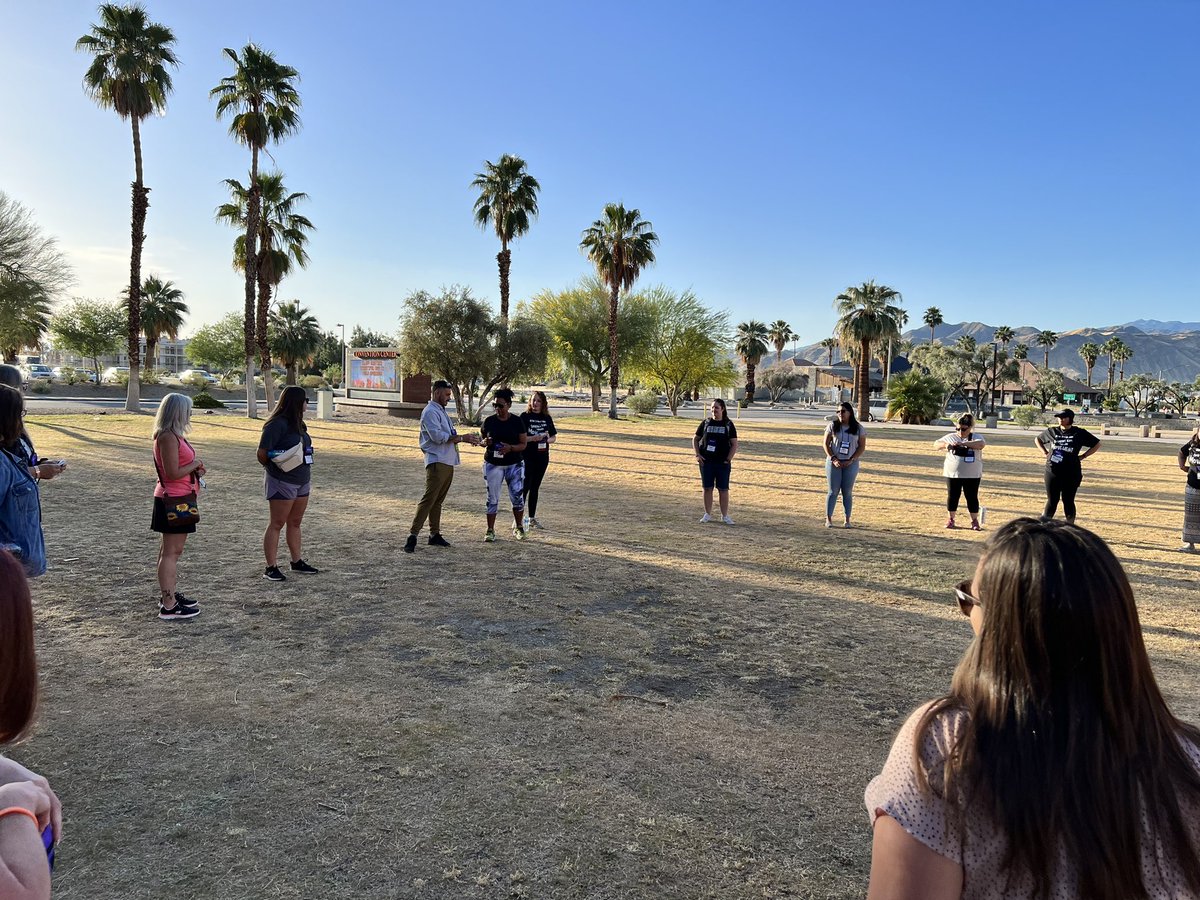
x: 925, y: 815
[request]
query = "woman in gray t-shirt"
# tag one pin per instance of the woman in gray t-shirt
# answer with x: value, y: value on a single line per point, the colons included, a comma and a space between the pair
x: 845, y: 442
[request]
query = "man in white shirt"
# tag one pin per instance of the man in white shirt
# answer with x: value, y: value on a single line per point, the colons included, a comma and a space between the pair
x: 439, y: 441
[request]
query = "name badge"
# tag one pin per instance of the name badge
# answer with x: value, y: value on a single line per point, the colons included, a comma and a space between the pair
x: 1056, y: 457
x: 844, y: 449
x: 970, y: 457
x: 308, y: 459
x: 543, y: 446
x: 711, y: 447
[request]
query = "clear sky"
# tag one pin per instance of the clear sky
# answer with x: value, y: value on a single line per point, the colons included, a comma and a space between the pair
x: 1021, y: 163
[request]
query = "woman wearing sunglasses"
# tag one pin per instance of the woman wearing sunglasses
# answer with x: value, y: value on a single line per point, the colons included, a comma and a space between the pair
x: 1053, y: 768
x: 963, y: 468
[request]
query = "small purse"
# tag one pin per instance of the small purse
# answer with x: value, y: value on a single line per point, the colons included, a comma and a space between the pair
x: 182, y: 512
x: 289, y: 459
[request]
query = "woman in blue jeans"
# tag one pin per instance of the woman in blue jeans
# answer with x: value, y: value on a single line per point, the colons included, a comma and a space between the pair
x: 845, y: 442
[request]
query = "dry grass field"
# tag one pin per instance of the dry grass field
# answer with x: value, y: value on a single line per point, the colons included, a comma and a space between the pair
x: 444, y: 725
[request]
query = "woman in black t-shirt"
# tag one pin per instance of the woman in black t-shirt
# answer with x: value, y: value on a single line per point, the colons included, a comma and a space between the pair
x: 715, y: 444
x: 1065, y: 447
x: 540, y: 434
x: 286, y: 453
x: 504, y: 463
x: 1189, y: 461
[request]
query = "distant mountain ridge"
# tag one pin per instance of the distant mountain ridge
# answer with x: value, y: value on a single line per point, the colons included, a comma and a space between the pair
x: 1159, y: 351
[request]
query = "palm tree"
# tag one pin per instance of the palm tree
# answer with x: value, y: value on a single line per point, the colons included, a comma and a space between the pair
x: 830, y: 344
x: 1110, y: 348
x: 24, y: 315
x: 966, y: 343
x: 508, y: 200
x: 1090, y: 352
x: 1046, y: 340
x: 1122, y: 355
x: 779, y: 333
x: 163, y: 310
x: 867, y: 316
x: 261, y: 99
x: 295, y: 336
x: 1004, y: 336
x: 750, y: 344
x: 1021, y: 351
x: 282, y: 234
x: 620, y: 244
x: 932, y: 318
x: 129, y: 75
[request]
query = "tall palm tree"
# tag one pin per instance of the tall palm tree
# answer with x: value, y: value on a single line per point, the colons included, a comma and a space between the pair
x: 1046, y: 340
x: 830, y: 344
x: 1021, y: 351
x: 1004, y: 336
x: 866, y: 316
x: 1122, y: 355
x: 932, y: 318
x: 620, y: 244
x: 508, y: 199
x: 1090, y: 352
x: 1110, y: 348
x: 128, y: 74
x: 295, y: 336
x: 163, y: 310
x: 282, y: 234
x: 779, y: 333
x: 262, y: 103
x: 750, y: 344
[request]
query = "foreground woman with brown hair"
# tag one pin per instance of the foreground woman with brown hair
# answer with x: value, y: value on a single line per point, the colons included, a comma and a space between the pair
x: 1053, y: 767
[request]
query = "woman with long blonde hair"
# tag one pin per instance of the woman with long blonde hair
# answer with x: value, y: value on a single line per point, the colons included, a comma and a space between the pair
x: 175, y: 515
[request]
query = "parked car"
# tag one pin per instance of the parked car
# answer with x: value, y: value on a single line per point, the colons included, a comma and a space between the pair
x: 188, y: 374
x: 112, y: 375
x: 38, y: 372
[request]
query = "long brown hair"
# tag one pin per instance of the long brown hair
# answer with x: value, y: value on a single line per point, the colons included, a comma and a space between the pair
x: 1067, y: 741
x: 18, y: 665
x: 538, y: 395
x: 290, y: 407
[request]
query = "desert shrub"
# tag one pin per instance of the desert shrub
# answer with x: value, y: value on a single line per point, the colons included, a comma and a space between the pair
x: 149, y: 378
x: 204, y: 400
x: 642, y: 404
x: 120, y: 378
x: 914, y: 398
x: 333, y: 375
x: 70, y: 376
x: 228, y: 381
x: 312, y: 381
x: 38, y: 386
x: 1027, y: 416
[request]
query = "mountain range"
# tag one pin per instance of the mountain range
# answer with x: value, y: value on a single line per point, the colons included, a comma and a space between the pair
x: 1167, y: 350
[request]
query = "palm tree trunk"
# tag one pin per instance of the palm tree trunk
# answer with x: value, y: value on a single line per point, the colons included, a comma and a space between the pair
x: 260, y: 337
x: 931, y: 335
x: 1089, y: 370
x: 151, y: 353
x: 1047, y: 360
x: 250, y: 345
x: 613, y: 373
x: 750, y: 367
x: 504, y: 260
x: 291, y: 373
x: 864, y: 381
x: 141, y: 202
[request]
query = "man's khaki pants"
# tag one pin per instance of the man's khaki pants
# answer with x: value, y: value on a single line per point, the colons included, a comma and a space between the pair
x: 437, y: 484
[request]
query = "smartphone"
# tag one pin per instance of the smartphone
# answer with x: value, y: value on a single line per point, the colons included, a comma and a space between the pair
x: 201, y: 481
x: 48, y: 843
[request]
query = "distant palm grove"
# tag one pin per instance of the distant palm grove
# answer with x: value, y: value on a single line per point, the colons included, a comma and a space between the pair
x: 604, y: 331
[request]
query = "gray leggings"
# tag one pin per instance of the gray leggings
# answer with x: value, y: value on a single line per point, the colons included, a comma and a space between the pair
x: 841, y: 481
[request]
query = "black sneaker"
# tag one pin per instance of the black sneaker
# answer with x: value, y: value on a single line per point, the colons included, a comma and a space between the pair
x: 272, y: 573
x: 411, y: 544
x: 186, y: 602
x: 301, y: 566
x: 437, y: 540
x: 178, y: 611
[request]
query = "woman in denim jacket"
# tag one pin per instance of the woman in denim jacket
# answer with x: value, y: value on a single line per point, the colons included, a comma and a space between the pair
x: 20, y: 509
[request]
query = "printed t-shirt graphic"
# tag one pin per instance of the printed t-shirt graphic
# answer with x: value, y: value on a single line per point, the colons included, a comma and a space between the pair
x: 715, y: 438
x: 1191, y: 451
x: 535, y: 426
x: 508, y: 433
x: 1065, y: 447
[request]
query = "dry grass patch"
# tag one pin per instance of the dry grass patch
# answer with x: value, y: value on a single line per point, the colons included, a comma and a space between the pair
x: 441, y: 724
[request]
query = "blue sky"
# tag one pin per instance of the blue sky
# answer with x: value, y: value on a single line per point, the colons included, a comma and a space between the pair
x: 1024, y: 163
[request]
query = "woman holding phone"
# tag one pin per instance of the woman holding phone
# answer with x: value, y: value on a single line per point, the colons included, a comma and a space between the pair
x: 962, y: 468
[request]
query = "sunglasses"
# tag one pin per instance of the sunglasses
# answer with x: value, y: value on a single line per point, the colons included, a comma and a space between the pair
x: 499, y: 404
x: 966, y: 600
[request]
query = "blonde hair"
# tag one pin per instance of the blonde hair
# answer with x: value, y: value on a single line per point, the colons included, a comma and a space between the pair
x: 174, y: 415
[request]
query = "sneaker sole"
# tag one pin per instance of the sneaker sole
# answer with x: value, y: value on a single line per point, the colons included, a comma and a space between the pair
x: 186, y: 614
x: 302, y: 572
x: 276, y: 580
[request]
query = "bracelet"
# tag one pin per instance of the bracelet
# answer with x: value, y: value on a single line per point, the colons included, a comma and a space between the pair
x: 20, y: 811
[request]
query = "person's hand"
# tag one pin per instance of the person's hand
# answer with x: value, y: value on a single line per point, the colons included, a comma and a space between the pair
x: 200, y: 469
x: 12, y: 772
x: 699, y: 459
x: 47, y: 470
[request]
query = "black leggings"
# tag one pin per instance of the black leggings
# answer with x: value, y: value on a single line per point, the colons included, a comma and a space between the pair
x: 1064, y: 486
x: 535, y: 471
x: 957, y: 486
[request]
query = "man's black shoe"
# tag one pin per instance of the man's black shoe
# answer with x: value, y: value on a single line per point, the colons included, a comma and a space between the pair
x: 411, y: 544
x: 437, y: 540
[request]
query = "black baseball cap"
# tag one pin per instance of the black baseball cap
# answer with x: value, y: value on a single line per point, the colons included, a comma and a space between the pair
x: 439, y: 384
x: 1065, y: 413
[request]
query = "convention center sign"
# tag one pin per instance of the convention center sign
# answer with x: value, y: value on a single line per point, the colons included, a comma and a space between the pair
x: 374, y: 369
x: 375, y: 378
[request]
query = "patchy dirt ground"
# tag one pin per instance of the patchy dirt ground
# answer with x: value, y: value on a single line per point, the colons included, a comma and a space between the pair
x: 442, y: 725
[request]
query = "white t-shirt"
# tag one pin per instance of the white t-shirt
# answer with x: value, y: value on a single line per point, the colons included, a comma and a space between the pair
x: 957, y: 465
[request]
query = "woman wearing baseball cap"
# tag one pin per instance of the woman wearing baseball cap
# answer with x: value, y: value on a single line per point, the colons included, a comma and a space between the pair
x: 1065, y: 447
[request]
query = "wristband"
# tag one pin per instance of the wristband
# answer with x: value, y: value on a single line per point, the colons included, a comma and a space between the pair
x: 20, y: 811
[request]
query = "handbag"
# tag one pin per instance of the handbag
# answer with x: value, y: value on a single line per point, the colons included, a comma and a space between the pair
x: 289, y: 459
x: 182, y: 512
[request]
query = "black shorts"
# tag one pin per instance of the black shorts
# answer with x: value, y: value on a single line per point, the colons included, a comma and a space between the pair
x: 162, y: 524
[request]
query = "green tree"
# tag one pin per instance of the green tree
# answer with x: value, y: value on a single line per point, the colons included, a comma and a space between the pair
x: 328, y: 353
x: 577, y: 321
x: 932, y: 319
x: 1021, y: 351
x: 29, y: 258
x: 129, y: 74
x: 1004, y: 336
x: 779, y: 379
x: 91, y: 328
x: 162, y: 314
x: 620, y: 245
x: 750, y: 343
x: 24, y: 315
x: 948, y: 365
x: 1177, y: 396
x: 830, y: 344
x: 1122, y: 353
x: 684, y: 346
x: 1047, y: 390
x: 1090, y: 352
x: 779, y: 333
x: 1046, y: 340
x: 365, y: 337
x: 282, y: 242
x: 866, y: 316
x: 1110, y: 348
x: 262, y: 103
x: 914, y: 397
x: 1140, y: 392
x: 295, y: 336
x: 508, y: 201
x: 221, y: 345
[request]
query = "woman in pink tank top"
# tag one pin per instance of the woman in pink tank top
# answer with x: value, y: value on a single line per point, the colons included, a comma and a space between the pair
x: 179, y: 471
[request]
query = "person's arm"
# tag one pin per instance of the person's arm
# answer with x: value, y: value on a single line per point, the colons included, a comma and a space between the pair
x: 24, y: 871
x: 829, y: 443
x: 861, y: 449
x: 45, y: 470
x: 1090, y: 450
x: 168, y: 451
x: 521, y: 444
x: 942, y: 443
x: 975, y: 444
x: 733, y: 448
x: 551, y: 434
x: 1182, y: 459
x: 1037, y: 442
x: 11, y: 770
x: 902, y: 868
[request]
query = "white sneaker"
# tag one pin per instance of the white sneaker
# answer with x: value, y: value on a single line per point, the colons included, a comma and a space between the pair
x: 705, y: 518
x: 727, y: 520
